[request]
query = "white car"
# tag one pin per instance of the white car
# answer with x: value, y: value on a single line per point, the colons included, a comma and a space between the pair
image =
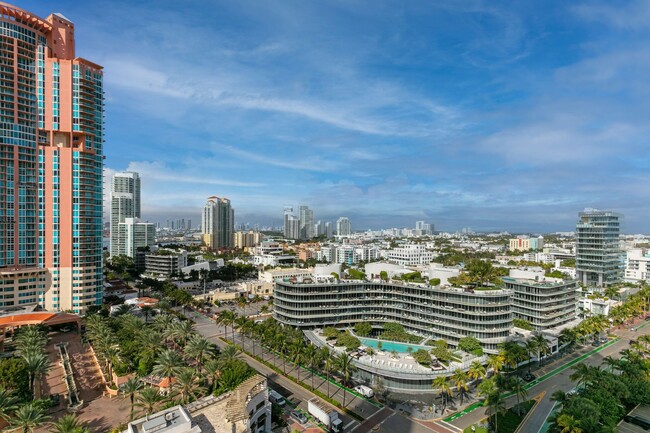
x: 365, y: 391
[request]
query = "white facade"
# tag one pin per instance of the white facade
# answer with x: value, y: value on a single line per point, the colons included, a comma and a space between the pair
x: 343, y: 227
x: 133, y: 234
x: 125, y: 203
x: 637, y: 265
x: 441, y: 272
x: 414, y: 254
x: 272, y: 274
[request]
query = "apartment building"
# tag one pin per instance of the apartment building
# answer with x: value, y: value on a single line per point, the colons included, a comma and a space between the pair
x: 409, y: 255
x: 435, y: 312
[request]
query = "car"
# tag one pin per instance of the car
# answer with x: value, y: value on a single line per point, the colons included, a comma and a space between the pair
x: 528, y: 377
x: 298, y: 416
x: 365, y: 391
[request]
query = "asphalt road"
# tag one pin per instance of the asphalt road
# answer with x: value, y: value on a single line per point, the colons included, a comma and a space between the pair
x: 377, y: 420
x: 559, y: 381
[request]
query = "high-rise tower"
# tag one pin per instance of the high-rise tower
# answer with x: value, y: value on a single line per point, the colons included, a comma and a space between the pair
x: 218, y: 223
x: 343, y: 227
x: 598, y: 254
x: 125, y: 203
x: 306, y: 222
x: 51, y: 142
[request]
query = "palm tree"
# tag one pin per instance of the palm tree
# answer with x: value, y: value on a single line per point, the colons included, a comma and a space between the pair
x: 69, y: 423
x: 312, y: 357
x: 168, y: 365
x: 111, y: 357
x: 519, y: 388
x: 29, y: 417
x: 7, y: 403
x: 149, y: 340
x: 188, y: 385
x: 163, y: 321
x: 182, y: 331
x: 496, y: 405
x: 487, y: 387
x: 346, y: 368
x: 297, y: 355
x: 37, y: 364
x: 559, y: 396
x: 581, y: 374
x: 444, y: 390
x: 146, y: 310
x: 229, y: 353
x: 198, y: 348
x: 148, y: 399
x: 542, y: 346
x: 476, y: 371
x: 129, y: 389
x: 611, y: 292
x: 328, y: 366
x: 568, y: 424
x: 460, y: 380
x: 213, y: 371
x: 531, y: 347
x: 495, y: 363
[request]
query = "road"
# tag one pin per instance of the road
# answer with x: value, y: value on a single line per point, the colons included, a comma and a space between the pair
x: 559, y: 381
x: 382, y: 420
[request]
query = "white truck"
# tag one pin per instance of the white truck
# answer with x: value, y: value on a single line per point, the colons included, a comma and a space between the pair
x: 328, y: 416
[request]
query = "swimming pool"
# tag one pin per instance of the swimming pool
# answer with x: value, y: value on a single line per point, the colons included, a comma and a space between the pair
x: 389, y: 346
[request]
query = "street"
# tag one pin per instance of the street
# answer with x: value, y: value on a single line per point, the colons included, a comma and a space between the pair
x: 391, y: 422
x: 559, y: 381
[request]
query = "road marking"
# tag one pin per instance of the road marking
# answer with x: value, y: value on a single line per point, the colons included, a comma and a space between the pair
x: 349, y: 424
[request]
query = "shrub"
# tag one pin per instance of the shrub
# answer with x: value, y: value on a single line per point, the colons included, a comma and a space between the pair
x: 422, y: 356
x: 470, y: 345
x: 330, y: 332
x: 523, y: 324
x: 434, y: 282
x: 363, y: 329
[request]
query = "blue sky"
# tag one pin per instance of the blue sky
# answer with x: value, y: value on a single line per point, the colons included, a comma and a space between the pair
x: 498, y: 115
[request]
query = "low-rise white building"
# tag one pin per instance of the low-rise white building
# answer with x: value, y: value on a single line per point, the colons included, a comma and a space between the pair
x: 412, y: 254
x: 637, y: 265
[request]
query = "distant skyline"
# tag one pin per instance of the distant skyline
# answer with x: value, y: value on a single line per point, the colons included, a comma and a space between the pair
x: 497, y: 115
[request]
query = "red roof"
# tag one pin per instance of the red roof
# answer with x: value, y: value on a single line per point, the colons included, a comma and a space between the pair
x: 43, y: 317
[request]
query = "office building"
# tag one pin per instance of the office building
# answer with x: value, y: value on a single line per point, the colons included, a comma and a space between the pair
x: 343, y: 227
x: 218, y: 223
x: 598, y: 255
x: 51, y: 142
x: 306, y: 223
x: 125, y: 203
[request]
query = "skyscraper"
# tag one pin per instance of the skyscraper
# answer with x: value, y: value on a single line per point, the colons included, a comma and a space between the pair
x: 306, y: 223
x: 218, y: 223
x: 343, y: 226
x: 288, y: 214
x: 598, y: 255
x: 51, y: 142
x: 125, y: 203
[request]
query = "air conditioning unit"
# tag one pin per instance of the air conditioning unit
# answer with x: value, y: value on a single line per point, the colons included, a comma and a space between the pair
x: 169, y: 416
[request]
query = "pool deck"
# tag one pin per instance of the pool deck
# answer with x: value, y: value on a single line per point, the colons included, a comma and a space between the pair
x: 402, y: 363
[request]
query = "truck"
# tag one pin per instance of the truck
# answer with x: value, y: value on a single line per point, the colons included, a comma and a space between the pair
x: 328, y: 416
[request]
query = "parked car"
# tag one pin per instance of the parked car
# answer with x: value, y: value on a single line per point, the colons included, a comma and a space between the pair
x: 365, y: 391
x: 298, y: 416
x: 528, y: 377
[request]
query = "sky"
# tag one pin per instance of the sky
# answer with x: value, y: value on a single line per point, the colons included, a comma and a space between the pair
x: 495, y: 115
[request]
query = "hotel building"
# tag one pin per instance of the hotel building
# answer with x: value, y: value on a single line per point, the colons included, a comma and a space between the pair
x: 51, y: 160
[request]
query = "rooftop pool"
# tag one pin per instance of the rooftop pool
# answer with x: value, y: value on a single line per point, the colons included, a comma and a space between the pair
x: 389, y: 346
